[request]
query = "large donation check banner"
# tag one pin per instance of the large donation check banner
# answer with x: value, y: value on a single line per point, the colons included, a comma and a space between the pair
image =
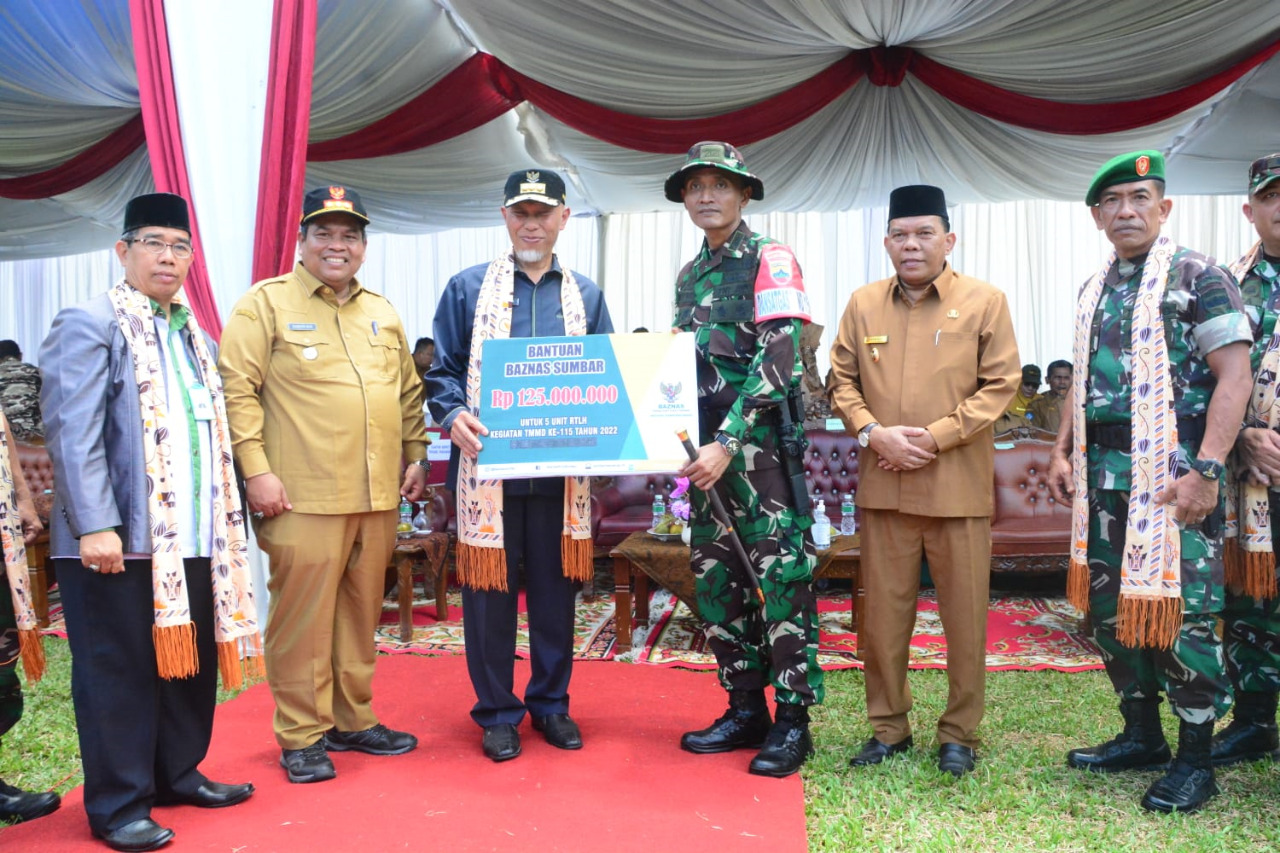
x: 596, y: 404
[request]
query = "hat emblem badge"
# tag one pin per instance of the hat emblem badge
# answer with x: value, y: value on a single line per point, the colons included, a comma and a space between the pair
x: 533, y: 177
x: 1142, y: 165
x: 337, y: 192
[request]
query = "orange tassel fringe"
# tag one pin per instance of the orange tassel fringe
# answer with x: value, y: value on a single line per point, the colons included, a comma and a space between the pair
x: 1149, y: 623
x: 1250, y: 572
x: 176, y: 650
x: 236, y: 670
x: 31, y: 649
x: 482, y: 568
x: 1078, y: 585
x: 576, y: 557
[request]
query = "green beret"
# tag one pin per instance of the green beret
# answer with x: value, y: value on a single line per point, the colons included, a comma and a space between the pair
x: 1125, y: 169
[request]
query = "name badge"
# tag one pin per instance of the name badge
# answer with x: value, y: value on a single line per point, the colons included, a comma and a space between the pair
x: 302, y: 327
x: 201, y: 403
x: 876, y: 339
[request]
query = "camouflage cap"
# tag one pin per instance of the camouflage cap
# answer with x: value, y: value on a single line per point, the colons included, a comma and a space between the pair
x: 1125, y: 169
x: 1264, y: 171
x: 715, y: 155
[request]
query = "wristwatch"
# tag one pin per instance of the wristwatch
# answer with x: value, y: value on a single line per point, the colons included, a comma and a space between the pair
x: 864, y: 434
x: 422, y: 463
x: 730, y: 444
x: 1210, y: 469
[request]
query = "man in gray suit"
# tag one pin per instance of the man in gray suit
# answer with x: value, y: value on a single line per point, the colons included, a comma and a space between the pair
x: 143, y: 509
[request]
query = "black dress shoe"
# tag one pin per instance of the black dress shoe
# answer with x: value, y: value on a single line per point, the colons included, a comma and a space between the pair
x: 141, y: 834
x: 559, y: 730
x: 956, y: 759
x: 17, y: 805
x: 874, y: 752
x: 501, y: 742
x: 375, y: 740
x: 210, y: 795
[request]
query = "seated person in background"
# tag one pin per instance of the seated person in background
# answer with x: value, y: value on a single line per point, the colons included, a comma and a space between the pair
x: 1045, y: 411
x: 20, y: 394
x: 1015, y: 415
x: 424, y: 352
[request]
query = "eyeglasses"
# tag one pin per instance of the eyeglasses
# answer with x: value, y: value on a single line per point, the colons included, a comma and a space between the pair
x: 181, y: 251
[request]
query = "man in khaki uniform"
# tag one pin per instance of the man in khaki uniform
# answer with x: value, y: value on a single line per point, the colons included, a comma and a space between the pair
x: 922, y: 365
x: 1045, y: 411
x: 324, y: 400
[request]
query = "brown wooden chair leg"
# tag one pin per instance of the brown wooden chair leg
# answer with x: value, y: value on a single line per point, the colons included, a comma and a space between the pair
x: 622, y: 602
x: 404, y: 584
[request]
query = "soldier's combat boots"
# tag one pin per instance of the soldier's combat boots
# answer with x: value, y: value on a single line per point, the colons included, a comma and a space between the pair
x: 788, y: 743
x: 1189, y: 784
x: 1251, y: 735
x: 744, y: 725
x: 1141, y: 746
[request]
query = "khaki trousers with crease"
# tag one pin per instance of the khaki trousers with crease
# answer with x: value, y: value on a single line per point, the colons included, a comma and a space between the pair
x: 327, y: 574
x: 959, y: 555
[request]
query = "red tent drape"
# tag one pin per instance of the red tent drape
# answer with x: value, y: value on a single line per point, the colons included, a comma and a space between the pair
x: 284, y: 136
x: 88, y: 165
x: 164, y: 141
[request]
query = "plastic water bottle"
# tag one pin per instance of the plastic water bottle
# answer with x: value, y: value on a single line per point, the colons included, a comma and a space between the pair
x: 821, y: 527
x: 659, y: 511
x: 848, y: 524
x: 406, y: 517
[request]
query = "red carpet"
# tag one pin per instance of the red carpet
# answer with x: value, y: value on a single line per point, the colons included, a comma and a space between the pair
x: 630, y: 789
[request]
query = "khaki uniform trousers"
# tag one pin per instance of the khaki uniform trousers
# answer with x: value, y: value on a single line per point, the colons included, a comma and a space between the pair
x: 959, y: 554
x: 327, y: 574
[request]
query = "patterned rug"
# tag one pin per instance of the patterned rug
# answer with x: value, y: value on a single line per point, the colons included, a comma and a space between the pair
x: 1024, y: 632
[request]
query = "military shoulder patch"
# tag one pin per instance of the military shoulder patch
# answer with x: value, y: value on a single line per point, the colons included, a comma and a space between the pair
x: 779, y: 290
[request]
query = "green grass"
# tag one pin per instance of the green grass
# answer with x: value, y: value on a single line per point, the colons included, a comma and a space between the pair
x: 1022, y: 797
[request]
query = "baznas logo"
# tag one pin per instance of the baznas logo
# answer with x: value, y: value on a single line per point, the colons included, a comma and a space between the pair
x: 669, y: 392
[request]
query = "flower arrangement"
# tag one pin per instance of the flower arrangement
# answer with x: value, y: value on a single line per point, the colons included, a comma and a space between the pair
x: 679, y: 503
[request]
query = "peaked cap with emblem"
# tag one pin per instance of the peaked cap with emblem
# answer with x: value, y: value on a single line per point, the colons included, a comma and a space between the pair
x: 716, y: 155
x: 1126, y: 169
x: 540, y: 185
x: 334, y: 199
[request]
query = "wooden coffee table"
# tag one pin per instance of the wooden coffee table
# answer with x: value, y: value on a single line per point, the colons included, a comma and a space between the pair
x: 429, y: 552
x: 641, y: 557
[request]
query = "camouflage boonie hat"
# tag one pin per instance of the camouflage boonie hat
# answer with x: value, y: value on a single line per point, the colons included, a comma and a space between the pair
x: 1264, y: 171
x: 716, y: 155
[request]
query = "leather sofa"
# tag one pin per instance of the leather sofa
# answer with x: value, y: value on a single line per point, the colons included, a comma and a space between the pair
x: 1030, y: 531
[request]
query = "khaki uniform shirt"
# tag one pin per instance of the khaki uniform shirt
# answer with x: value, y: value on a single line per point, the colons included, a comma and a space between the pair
x: 325, y: 396
x: 1046, y: 411
x: 948, y: 363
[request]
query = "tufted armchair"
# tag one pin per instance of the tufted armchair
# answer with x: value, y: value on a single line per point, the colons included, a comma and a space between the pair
x: 831, y: 469
x: 626, y: 506
x: 1030, y: 530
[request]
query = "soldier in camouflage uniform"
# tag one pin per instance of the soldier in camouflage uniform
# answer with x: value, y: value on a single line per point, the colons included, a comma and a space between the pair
x: 1206, y: 334
x: 20, y: 393
x: 1252, y: 624
x: 744, y: 300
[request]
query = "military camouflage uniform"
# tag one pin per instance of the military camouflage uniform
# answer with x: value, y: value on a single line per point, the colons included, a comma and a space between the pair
x: 744, y: 371
x: 1251, y: 627
x: 20, y: 398
x: 1202, y: 312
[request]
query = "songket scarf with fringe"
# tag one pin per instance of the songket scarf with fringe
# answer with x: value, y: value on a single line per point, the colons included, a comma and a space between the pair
x: 15, y: 568
x: 482, y: 562
x: 1150, y: 606
x: 1249, y: 554
x: 234, y: 609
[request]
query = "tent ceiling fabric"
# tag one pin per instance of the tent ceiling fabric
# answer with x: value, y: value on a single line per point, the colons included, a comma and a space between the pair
x: 67, y: 79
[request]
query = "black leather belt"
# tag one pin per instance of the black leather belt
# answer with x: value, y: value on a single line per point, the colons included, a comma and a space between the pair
x: 1120, y: 436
